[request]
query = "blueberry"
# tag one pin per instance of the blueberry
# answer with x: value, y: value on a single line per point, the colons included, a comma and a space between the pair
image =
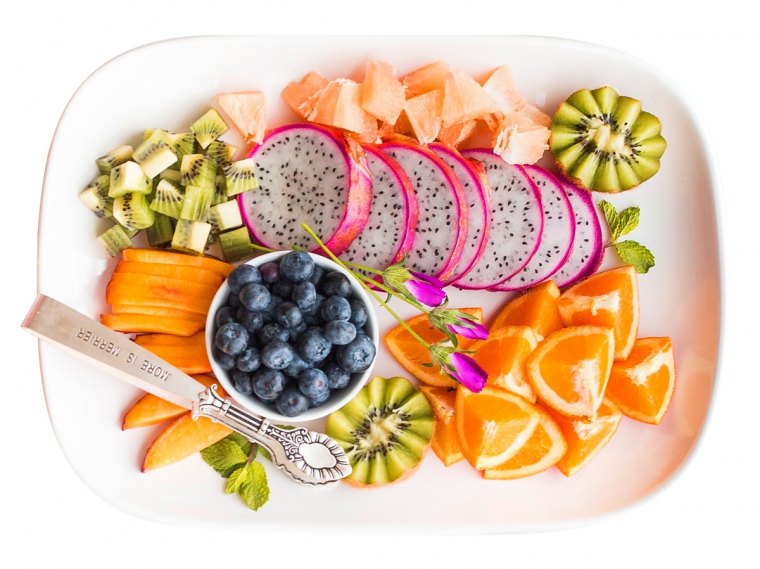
x: 359, y: 314
x: 357, y: 355
x: 270, y: 272
x: 339, y: 332
x: 277, y: 355
x: 304, y: 295
x: 296, y: 331
x: 283, y: 288
x: 251, y: 320
x: 313, y: 383
x: 224, y: 315
x: 335, y: 308
x: 292, y: 402
x: 231, y: 338
x: 319, y: 401
x: 241, y: 381
x: 296, y: 367
x: 255, y: 296
x: 241, y: 276
x: 268, y: 384
x: 289, y: 315
x: 335, y: 283
x: 337, y: 377
x: 249, y: 360
x: 234, y: 301
x: 271, y: 332
x: 313, y: 346
x: 317, y: 275
x: 225, y: 361
x: 274, y: 302
x: 296, y: 266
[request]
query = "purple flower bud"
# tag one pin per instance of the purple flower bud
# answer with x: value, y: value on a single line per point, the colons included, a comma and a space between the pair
x: 428, y: 279
x: 473, y: 330
x: 468, y: 372
x: 425, y: 293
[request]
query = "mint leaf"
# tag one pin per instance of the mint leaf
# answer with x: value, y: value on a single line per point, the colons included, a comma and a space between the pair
x: 242, y: 442
x: 636, y: 254
x: 236, y: 480
x: 264, y: 453
x: 628, y: 220
x: 255, y: 488
x: 224, y: 456
x: 611, y: 215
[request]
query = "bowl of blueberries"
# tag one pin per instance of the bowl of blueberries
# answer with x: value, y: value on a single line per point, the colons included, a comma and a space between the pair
x: 292, y: 336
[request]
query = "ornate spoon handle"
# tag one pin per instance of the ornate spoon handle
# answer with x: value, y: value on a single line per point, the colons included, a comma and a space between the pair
x: 306, y: 456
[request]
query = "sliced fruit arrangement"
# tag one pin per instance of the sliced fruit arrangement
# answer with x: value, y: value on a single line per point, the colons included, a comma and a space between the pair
x: 178, y: 187
x: 604, y: 141
x: 557, y: 383
x: 154, y: 291
x: 385, y: 430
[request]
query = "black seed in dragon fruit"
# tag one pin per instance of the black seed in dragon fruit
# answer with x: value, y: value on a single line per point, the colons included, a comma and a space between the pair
x: 307, y: 174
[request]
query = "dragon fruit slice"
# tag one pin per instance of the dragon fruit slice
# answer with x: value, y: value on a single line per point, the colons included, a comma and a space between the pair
x: 472, y: 175
x: 516, y: 222
x: 443, y: 219
x: 389, y: 233
x: 557, y: 238
x: 307, y: 173
x: 588, y: 251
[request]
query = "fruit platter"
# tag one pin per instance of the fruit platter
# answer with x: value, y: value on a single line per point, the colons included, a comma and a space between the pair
x: 488, y: 268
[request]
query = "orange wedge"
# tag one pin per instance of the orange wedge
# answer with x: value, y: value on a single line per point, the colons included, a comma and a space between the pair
x: 493, y: 425
x: 536, y: 308
x: 642, y: 385
x: 569, y: 369
x: 503, y: 357
x: 445, y: 442
x: 412, y: 355
x: 609, y: 298
x: 183, y: 437
x: 542, y: 451
x: 585, y: 438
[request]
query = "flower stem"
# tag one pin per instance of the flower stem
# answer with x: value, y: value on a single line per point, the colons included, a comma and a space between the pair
x: 363, y: 284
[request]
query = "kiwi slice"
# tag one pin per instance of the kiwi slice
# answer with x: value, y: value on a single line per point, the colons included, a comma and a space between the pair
x: 236, y: 245
x: 241, y: 177
x: 182, y: 143
x: 196, y: 203
x: 385, y: 431
x: 161, y: 233
x: 191, y: 236
x: 114, y: 240
x: 168, y: 199
x: 208, y: 128
x: 197, y: 170
x: 225, y: 216
x: 174, y: 176
x: 95, y: 196
x: 221, y: 152
x: 220, y: 190
x: 127, y: 178
x: 155, y: 154
x: 604, y: 141
x: 133, y: 211
x: 117, y: 156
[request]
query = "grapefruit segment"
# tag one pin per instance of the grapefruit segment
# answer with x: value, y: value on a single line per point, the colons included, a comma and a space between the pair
x: 246, y: 111
x: 382, y: 94
x: 424, y: 115
x: 426, y: 78
x: 464, y: 99
x: 298, y: 93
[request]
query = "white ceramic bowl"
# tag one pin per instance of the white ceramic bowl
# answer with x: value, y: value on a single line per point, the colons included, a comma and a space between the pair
x: 339, y: 397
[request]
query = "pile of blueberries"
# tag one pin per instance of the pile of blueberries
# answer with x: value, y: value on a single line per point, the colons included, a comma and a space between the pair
x: 291, y: 333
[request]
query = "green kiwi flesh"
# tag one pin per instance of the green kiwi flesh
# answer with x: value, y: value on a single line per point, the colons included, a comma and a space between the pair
x: 196, y: 203
x: 198, y: 170
x: 155, y: 154
x: 236, y: 245
x: 95, y: 196
x: 385, y: 430
x: 241, y: 177
x: 208, y: 128
x: 168, y: 199
x: 133, y: 211
x: 117, y: 156
x: 191, y: 236
x: 225, y: 216
x: 114, y: 240
x: 127, y: 178
x: 604, y: 141
x: 160, y: 234
x: 221, y: 152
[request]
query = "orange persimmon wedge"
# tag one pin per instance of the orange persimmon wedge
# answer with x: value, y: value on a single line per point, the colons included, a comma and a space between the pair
x: 182, y: 438
x: 190, y: 356
x: 170, y: 257
x: 148, y: 323
x: 158, y: 311
x: 184, y: 272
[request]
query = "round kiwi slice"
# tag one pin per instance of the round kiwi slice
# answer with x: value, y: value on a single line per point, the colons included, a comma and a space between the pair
x: 604, y: 141
x: 385, y: 431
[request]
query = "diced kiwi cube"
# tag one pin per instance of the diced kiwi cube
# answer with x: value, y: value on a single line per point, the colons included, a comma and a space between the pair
x: 196, y: 203
x: 117, y: 156
x: 208, y: 128
x: 129, y: 177
x: 114, y: 240
x: 191, y: 236
x: 241, y: 177
x: 155, y: 154
x: 95, y: 196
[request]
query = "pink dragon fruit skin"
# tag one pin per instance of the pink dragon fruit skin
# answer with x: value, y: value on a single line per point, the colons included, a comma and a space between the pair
x: 443, y: 217
x: 389, y: 233
x: 516, y: 224
x: 558, y: 235
x: 341, y: 167
x: 477, y: 193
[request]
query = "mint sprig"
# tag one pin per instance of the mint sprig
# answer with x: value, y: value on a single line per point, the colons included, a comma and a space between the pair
x: 234, y: 458
x: 622, y: 223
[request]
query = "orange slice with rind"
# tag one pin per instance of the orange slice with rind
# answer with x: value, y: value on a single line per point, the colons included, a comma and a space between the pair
x: 609, y: 298
x: 502, y: 355
x: 543, y: 450
x: 642, y: 385
x: 570, y: 368
x: 445, y: 443
x: 536, y: 308
x: 493, y: 425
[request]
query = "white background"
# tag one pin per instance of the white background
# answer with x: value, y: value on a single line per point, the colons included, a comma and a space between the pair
x: 707, y: 516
